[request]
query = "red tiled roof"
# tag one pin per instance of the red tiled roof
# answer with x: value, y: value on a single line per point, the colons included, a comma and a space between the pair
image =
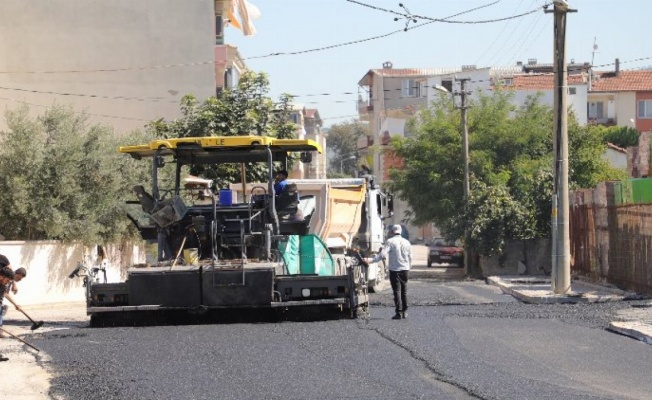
x: 541, y: 81
x: 625, y: 81
x: 415, y: 71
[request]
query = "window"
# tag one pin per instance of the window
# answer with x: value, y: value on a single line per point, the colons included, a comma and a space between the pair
x: 422, y: 89
x: 572, y: 90
x: 228, y: 78
x: 645, y: 109
x: 219, y: 30
x: 448, y: 85
x: 409, y: 88
x: 596, y: 110
x: 508, y: 81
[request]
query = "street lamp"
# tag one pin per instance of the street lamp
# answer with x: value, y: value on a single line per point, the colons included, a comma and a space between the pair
x: 342, y: 162
x: 441, y: 88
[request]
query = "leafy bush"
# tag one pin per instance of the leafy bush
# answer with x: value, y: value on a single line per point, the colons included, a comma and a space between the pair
x: 62, y: 179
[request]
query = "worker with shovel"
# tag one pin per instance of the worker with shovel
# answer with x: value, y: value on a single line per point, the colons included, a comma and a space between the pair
x: 7, y: 289
x: 19, y: 274
x: 12, y: 288
x: 6, y: 276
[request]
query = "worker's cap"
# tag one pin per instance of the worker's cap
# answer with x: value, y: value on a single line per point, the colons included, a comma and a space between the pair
x: 397, y: 229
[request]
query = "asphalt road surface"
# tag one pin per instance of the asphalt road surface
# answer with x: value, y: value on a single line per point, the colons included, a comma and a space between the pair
x: 462, y: 340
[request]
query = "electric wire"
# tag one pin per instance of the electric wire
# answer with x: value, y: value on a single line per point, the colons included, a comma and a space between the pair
x: 200, y: 63
x: 431, y: 20
x: 77, y: 112
x: 511, y: 36
x: 130, y: 98
x: 518, y: 46
x: 497, y: 36
x: 119, y: 69
x: 447, y: 19
x: 543, y: 27
x: 155, y: 99
x: 639, y: 59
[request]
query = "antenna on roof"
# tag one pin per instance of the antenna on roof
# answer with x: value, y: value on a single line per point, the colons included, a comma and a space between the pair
x: 595, y: 50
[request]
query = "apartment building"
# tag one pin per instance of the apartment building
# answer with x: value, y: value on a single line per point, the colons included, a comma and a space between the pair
x: 122, y: 62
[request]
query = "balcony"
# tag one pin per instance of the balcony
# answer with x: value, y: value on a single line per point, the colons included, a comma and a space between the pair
x: 364, y: 142
x: 364, y: 109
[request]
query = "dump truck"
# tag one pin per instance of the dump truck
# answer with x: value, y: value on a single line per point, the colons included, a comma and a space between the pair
x: 219, y: 251
x: 346, y: 214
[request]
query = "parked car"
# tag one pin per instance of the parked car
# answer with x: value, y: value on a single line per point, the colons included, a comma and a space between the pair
x: 445, y: 251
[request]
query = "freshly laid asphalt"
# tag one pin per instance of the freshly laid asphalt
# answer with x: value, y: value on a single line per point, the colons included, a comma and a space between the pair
x: 635, y: 322
x: 31, y: 381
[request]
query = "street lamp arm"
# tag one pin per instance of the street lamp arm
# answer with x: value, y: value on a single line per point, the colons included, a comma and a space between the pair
x: 441, y: 88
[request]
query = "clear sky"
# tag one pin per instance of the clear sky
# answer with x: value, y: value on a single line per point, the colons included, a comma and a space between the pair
x: 322, y: 78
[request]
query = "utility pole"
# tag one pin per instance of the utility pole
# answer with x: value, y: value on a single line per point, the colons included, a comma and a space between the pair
x: 560, y: 281
x: 465, y: 135
x: 465, y: 156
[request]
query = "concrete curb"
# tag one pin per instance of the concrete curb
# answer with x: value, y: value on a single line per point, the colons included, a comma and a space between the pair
x: 536, y: 290
x: 637, y: 330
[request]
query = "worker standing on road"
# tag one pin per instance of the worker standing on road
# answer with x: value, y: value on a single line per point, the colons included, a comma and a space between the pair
x: 398, y: 253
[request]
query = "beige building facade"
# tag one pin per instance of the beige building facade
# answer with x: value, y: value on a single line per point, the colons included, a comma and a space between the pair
x: 122, y: 62
x: 393, y: 96
x: 309, y: 126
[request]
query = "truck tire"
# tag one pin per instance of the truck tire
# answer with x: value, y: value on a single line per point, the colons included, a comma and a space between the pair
x: 381, y: 280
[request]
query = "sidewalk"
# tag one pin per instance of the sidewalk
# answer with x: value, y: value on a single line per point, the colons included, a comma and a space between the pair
x: 30, y: 379
x: 636, y: 322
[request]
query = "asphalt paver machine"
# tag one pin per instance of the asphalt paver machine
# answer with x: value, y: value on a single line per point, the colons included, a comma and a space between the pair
x: 217, y: 250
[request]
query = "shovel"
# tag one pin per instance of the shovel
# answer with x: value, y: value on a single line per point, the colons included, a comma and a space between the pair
x: 35, y: 324
x: 17, y: 338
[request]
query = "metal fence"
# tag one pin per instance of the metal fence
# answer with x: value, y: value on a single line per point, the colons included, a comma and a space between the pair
x: 613, y: 242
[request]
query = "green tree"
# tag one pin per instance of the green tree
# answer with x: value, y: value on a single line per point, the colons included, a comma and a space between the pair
x: 63, y: 179
x: 621, y: 136
x: 244, y: 110
x: 510, y: 169
x: 342, y: 143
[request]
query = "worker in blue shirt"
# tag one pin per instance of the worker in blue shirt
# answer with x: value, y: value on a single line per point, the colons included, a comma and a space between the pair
x: 280, y: 182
